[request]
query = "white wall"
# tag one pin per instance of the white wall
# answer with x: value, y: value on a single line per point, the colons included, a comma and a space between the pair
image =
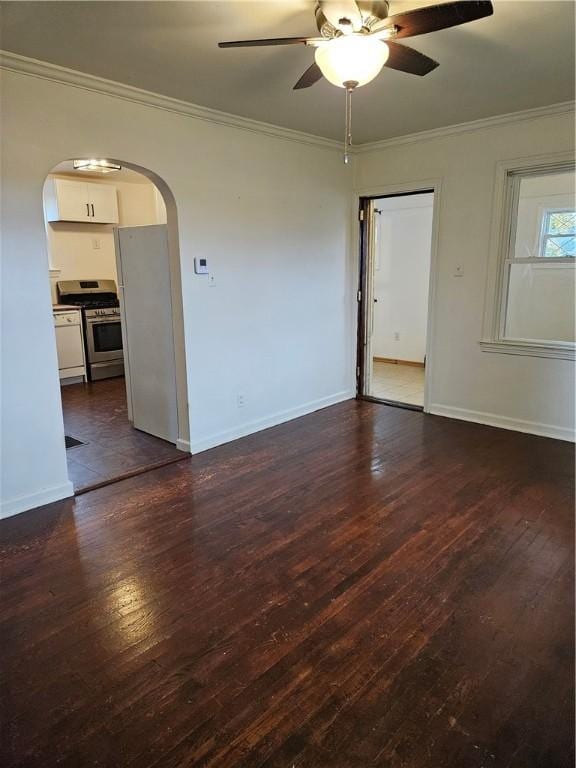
x: 271, y: 214
x: 139, y: 204
x: 534, y: 394
x: 401, y: 276
x: 79, y: 251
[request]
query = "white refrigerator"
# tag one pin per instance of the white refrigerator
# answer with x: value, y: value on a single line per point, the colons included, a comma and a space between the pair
x: 142, y: 260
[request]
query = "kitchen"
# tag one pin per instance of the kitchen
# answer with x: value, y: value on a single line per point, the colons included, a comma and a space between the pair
x: 103, y: 220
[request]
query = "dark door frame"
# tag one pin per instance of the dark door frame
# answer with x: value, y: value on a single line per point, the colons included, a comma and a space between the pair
x: 361, y: 296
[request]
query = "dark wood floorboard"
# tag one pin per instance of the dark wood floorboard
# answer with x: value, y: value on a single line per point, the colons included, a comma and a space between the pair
x: 97, y: 414
x: 364, y: 586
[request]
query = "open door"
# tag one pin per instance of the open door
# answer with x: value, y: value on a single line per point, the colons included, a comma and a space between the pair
x: 146, y: 310
x: 396, y: 246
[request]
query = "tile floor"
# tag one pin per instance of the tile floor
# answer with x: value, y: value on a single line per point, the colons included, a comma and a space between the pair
x: 401, y: 383
x: 96, y: 413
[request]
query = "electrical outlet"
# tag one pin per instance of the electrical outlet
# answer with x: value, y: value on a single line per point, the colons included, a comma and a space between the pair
x: 240, y: 401
x: 396, y: 336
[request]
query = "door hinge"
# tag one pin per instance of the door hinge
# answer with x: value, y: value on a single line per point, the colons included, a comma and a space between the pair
x: 357, y: 371
x: 359, y: 296
x: 361, y: 214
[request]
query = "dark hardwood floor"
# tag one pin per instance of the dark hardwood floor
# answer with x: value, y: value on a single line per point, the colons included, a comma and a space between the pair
x: 97, y: 414
x: 364, y: 586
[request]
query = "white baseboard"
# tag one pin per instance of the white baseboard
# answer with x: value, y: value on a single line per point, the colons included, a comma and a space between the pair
x: 48, y: 495
x: 183, y: 445
x: 38, y: 499
x: 504, y: 422
x: 268, y: 421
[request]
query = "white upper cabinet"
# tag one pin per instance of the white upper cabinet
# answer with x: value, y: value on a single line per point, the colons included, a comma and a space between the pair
x: 66, y: 200
x: 88, y: 202
x: 103, y: 201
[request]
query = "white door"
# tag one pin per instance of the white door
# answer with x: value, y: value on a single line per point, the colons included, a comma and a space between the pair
x: 146, y: 307
x: 103, y: 201
x: 72, y: 200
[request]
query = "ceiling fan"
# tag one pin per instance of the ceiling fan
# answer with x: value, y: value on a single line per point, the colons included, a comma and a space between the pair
x: 358, y: 37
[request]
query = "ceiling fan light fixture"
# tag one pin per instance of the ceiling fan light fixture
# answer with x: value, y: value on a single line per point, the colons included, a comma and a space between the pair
x: 102, y: 166
x: 351, y: 58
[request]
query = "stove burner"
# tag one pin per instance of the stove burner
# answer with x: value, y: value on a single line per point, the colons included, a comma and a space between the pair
x: 88, y: 294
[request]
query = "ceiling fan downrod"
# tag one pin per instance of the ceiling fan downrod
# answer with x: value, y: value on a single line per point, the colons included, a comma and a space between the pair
x: 349, y: 85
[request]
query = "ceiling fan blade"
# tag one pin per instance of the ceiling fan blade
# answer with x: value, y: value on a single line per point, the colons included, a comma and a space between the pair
x: 435, y: 17
x: 266, y: 41
x: 406, y: 59
x: 311, y: 76
x: 337, y: 10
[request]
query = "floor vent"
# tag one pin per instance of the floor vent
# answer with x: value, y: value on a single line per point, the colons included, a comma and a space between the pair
x: 72, y: 442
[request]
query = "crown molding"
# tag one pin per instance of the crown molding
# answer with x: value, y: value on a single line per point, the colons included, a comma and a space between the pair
x: 25, y: 65
x: 562, y: 108
x: 42, y: 69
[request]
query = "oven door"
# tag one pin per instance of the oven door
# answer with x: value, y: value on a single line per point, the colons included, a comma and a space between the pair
x: 104, y: 340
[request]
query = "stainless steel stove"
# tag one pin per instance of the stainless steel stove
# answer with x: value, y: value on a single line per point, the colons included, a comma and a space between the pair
x: 100, y: 306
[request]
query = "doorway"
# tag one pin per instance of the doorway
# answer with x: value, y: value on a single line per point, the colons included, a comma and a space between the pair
x: 117, y: 310
x: 396, y: 249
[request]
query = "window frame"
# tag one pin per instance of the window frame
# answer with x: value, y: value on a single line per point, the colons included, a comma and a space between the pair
x: 506, y: 196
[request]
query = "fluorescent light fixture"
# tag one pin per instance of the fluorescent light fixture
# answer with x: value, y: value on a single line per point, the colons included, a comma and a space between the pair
x: 351, y: 59
x: 100, y: 166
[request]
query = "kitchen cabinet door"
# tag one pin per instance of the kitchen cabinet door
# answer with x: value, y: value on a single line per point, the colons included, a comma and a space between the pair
x: 67, y: 201
x: 103, y: 201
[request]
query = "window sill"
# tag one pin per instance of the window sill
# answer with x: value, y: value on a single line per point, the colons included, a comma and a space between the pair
x: 531, y: 349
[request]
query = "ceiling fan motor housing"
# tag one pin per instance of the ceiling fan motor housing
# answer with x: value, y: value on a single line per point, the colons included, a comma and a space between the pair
x: 372, y: 11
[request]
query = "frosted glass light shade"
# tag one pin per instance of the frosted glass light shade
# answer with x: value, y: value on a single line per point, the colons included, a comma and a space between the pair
x: 356, y: 58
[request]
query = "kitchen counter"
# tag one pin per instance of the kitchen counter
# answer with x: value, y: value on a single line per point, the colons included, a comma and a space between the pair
x: 63, y: 307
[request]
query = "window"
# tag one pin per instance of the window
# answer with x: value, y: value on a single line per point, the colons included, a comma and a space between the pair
x: 534, y: 307
x: 559, y: 234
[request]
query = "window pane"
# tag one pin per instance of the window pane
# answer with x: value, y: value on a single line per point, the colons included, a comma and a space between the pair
x: 561, y: 223
x: 540, y: 303
x: 545, y: 206
x: 560, y: 247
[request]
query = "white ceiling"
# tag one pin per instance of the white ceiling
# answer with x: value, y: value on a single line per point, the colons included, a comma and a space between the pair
x: 522, y: 57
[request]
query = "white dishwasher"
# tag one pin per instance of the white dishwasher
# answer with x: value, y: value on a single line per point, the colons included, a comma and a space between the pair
x: 70, y: 345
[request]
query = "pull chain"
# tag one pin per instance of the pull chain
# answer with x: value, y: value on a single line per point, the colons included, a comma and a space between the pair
x: 349, y: 85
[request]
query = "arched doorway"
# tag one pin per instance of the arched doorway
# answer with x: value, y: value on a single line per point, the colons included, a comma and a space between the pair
x: 114, y: 260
